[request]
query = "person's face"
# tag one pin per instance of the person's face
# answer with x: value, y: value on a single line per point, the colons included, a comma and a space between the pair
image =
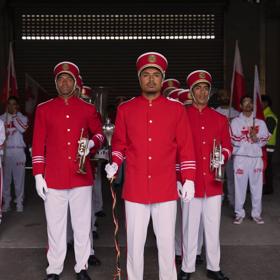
x: 150, y: 81
x: 201, y: 94
x: 12, y: 106
x: 65, y: 84
x: 223, y: 97
x: 247, y: 105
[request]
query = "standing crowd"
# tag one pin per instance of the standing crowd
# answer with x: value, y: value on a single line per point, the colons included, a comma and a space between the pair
x: 176, y: 149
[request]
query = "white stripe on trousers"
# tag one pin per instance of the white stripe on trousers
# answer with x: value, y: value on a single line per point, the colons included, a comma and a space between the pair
x: 208, y: 209
x: 56, y: 208
x: 137, y: 221
x: 248, y: 168
x: 178, y: 233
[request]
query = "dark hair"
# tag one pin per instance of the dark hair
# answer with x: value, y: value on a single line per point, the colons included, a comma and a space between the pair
x: 245, y: 96
x: 266, y: 98
x: 13, y: 98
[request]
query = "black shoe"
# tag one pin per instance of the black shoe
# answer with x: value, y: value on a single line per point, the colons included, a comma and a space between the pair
x: 95, y: 235
x: 52, y: 277
x: 82, y: 275
x: 217, y: 275
x: 93, y: 260
x: 100, y: 214
x: 184, y: 275
x: 178, y: 260
x: 199, y: 260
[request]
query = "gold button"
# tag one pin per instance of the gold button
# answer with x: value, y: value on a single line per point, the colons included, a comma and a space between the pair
x: 67, y: 116
x: 202, y: 127
x: 150, y: 105
x: 203, y: 142
x: 204, y: 173
x: 204, y: 158
x: 150, y: 121
x: 149, y: 177
x: 69, y: 157
x: 149, y: 157
x: 68, y: 129
x: 68, y: 143
x: 150, y: 139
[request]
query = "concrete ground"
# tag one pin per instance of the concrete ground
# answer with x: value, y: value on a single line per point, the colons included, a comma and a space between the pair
x: 249, y: 251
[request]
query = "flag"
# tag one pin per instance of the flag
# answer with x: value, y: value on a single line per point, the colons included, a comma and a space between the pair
x: 34, y: 94
x: 258, y: 109
x: 238, y: 81
x: 10, y: 87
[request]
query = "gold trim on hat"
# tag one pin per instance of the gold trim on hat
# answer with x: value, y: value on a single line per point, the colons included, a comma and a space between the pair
x: 152, y: 58
x: 65, y: 66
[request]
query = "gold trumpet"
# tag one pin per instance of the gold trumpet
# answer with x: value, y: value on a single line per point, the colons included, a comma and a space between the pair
x: 81, y: 154
x: 216, y: 156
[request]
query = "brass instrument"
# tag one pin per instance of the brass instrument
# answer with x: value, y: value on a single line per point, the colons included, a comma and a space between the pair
x: 216, y: 156
x: 81, y: 154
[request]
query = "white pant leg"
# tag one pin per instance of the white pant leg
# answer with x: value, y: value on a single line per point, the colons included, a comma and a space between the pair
x: 19, y: 174
x: 164, y: 220
x: 191, y: 215
x: 80, y: 208
x: 200, y: 237
x: 230, y: 181
x: 256, y: 186
x: 178, y: 230
x: 70, y: 237
x: 7, y: 178
x: 211, y: 214
x: 56, y: 205
x: 97, y: 189
x: 137, y: 221
x: 241, y: 176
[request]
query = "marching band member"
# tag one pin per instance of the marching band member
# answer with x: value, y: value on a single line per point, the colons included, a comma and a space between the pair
x: 169, y: 85
x: 206, y: 125
x: 150, y: 130
x: 249, y: 135
x: 59, y: 124
x: 2, y: 140
x: 14, y: 159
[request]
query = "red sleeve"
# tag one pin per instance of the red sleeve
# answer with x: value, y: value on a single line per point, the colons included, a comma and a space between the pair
x: 38, y: 146
x: 226, y: 140
x: 119, y: 138
x: 186, y: 154
x: 95, y: 128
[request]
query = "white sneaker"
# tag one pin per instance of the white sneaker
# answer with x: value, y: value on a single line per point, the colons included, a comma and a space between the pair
x: 6, y: 208
x: 237, y: 220
x: 258, y: 220
x: 20, y: 208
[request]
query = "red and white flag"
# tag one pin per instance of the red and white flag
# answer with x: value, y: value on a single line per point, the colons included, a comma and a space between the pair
x: 258, y: 109
x: 10, y: 87
x: 238, y: 81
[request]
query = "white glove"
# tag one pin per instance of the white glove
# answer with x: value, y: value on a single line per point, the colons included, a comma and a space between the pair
x: 187, y: 191
x: 89, y: 146
x: 41, y: 186
x: 216, y: 163
x: 179, y: 188
x: 111, y: 170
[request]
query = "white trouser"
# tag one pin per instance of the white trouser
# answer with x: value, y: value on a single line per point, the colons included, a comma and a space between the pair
x: 178, y: 233
x: 209, y: 209
x: 248, y: 168
x: 137, y: 221
x: 200, y: 237
x: 97, y: 190
x: 178, y: 230
x: 56, y: 208
x: 14, y: 168
x: 230, y: 181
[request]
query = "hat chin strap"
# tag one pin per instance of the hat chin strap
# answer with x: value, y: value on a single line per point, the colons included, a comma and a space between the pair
x: 71, y: 93
x: 195, y: 101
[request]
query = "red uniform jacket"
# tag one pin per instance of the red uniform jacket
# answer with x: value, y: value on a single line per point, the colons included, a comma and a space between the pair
x: 57, y: 129
x: 148, y: 134
x: 207, y: 125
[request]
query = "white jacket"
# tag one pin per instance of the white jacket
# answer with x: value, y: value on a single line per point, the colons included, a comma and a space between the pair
x: 15, y: 125
x: 240, y: 137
